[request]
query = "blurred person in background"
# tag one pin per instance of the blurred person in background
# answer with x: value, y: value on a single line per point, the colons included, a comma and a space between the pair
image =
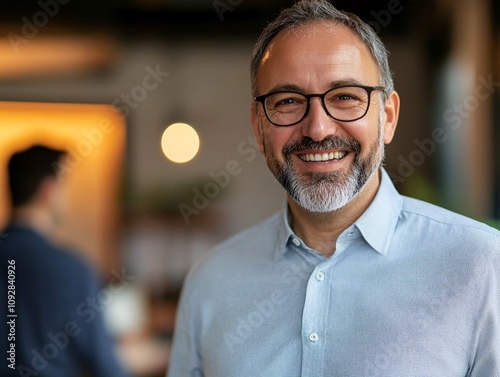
x: 46, y: 335
x: 351, y: 278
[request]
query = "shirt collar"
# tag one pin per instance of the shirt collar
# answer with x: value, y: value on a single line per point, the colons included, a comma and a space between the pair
x: 376, y: 224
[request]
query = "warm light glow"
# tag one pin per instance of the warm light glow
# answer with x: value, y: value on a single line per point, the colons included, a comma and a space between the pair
x: 180, y: 142
x: 55, y: 55
x: 94, y: 137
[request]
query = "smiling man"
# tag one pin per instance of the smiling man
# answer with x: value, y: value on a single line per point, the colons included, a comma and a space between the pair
x: 351, y: 278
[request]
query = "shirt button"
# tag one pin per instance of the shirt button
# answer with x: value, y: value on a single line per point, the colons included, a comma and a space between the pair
x: 313, y: 337
x: 296, y: 241
x: 320, y: 276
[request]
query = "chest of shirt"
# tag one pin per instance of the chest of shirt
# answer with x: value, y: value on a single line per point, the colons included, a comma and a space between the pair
x: 353, y: 315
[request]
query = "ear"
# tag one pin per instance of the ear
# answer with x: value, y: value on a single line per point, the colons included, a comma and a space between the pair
x: 391, y: 115
x: 47, y: 188
x: 47, y: 191
x: 257, y: 125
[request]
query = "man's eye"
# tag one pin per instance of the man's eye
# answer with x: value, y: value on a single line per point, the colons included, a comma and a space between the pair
x: 287, y: 101
x: 345, y: 97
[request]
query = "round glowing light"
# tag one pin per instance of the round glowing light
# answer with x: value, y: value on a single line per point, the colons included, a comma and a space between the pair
x: 180, y: 142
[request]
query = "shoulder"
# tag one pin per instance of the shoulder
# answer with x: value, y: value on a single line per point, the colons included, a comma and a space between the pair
x: 448, y: 227
x: 239, y: 254
x: 262, y: 232
x: 39, y: 259
x: 435, y: 214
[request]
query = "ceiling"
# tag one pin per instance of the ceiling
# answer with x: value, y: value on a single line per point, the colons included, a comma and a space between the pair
x: 163, y: 17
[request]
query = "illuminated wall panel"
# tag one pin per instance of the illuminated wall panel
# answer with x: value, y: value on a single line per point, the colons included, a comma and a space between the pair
x: 94, y: 136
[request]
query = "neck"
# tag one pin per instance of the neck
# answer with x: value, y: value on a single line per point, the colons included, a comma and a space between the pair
x: 33, y: 217
x: 320, y: 230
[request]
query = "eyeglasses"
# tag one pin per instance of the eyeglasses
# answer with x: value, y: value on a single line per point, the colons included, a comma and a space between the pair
x: 344, y: 103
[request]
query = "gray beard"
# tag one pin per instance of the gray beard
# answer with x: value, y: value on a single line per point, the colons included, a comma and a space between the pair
x: 327, y: 192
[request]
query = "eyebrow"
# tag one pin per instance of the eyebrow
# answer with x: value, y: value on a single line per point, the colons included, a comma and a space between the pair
x: 296, y: 88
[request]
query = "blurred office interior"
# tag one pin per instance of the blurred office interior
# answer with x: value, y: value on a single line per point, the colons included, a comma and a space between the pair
x: 63, y: 64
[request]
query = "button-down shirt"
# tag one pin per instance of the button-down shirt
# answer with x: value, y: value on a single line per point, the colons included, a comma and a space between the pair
x: 412, y: 290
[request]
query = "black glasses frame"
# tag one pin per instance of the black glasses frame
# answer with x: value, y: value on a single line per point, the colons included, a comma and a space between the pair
x: 369, y: 90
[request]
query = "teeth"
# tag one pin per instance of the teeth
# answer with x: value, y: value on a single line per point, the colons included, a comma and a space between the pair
x: 322, y: 156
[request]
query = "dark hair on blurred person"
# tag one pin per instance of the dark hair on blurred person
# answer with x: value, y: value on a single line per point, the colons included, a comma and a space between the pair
x: 28, y: 169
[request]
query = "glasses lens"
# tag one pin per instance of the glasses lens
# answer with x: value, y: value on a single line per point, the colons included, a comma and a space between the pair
x: 347, y: 103
x: 285, y: 108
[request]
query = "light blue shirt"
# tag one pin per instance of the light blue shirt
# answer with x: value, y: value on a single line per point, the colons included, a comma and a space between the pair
x: 412, y: 290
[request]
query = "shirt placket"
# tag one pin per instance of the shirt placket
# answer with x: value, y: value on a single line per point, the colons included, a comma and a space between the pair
x: 314, y: 320
x: 317, y: 309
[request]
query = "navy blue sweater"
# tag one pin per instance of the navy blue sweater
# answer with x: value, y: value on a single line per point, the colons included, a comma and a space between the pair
x: 55, y: 333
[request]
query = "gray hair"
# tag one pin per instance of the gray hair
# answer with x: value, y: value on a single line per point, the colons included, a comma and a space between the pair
x: 307, y: 11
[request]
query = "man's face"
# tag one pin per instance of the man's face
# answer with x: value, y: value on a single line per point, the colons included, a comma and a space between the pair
x: 314, y: 59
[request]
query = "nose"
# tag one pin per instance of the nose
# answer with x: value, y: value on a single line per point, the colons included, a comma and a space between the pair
x: 318, y: 124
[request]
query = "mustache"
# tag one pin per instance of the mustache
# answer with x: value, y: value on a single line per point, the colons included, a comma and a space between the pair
x: 332, y: 142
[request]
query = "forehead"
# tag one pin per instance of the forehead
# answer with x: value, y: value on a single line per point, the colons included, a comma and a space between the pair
x: 315, y: 55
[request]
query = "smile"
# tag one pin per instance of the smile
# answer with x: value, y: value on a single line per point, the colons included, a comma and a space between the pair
x: 322, y: 157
